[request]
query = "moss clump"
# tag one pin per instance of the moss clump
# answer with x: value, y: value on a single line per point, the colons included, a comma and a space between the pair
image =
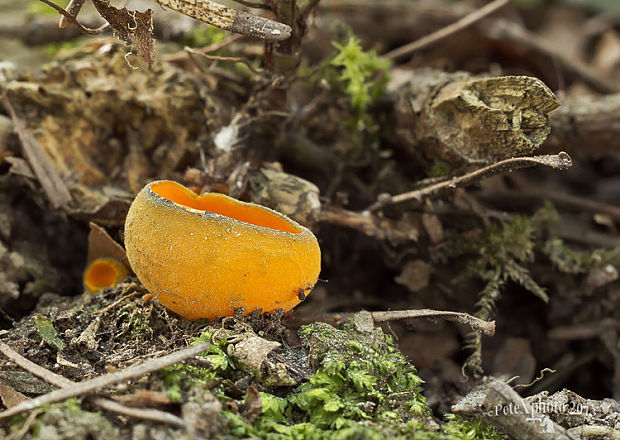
x: 469, y: 429
x: 67, y: 420
x: 502, y: 252
x: 359, y: 375
x: 204, y: 35
x: 359, y: 73
x: 362, y: 387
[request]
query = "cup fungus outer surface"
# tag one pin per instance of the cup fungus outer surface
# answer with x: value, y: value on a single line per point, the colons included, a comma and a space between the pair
x: 203, y: 256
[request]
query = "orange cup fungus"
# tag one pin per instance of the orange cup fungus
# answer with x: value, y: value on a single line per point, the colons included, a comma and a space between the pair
x: 203, y: 256
x: 102, y: 273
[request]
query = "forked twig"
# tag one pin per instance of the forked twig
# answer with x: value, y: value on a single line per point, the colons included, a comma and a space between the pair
x: 72, y: 8
x: 559, y: 161
x: 71, y: 19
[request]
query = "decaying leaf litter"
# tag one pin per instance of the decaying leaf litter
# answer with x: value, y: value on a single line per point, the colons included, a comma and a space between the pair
x: 408, y: 174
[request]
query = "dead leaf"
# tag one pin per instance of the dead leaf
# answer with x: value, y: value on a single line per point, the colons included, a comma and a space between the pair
x: 9, y: 396
x: 133, y: 27
x: 101, y: 245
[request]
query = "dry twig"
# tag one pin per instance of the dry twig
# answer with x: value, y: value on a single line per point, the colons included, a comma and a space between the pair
x: 559, y: 161
x: 71, y: 19
x: 477, y: 324
x: 220, y: 58
x: 451, y: 29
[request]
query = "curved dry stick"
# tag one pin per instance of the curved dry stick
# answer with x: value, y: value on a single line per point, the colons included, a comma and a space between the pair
x: 477, y: 324
x: 559, y: 161
x: 73, y: 8
x: 72, y: 19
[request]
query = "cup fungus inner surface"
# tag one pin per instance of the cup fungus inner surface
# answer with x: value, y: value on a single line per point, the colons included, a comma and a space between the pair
x: 101, y: 274
x: 223, y: 205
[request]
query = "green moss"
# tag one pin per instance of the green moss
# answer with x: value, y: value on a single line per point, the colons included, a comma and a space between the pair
x: 68, y: 420
x: 439, y: 169
x: 180, y: 379
x: 568, y: 260
x: 361, y: 386
x: 204, y: 35
x: 503, y: 253
x: 358, y: 73
x: 52, y: 49
x: 469, y: 429
x: 48, y: 333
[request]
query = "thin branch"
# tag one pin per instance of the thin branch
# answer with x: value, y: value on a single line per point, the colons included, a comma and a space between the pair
x: 220, y: 58
x: 559, y: 161
x: 154, y: 415
x: 477, y: 324
x: 34, y: 369
x: 230, y: 19
x: 99, y: 382
x: 451, y: 29
x: 73, y: 8
x: 72, y: 20
x: 183, y: 55
x: 569, y: 201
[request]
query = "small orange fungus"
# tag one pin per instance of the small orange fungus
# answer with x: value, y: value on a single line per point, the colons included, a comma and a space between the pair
x: 203, y: 256
x: 102, y: 273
